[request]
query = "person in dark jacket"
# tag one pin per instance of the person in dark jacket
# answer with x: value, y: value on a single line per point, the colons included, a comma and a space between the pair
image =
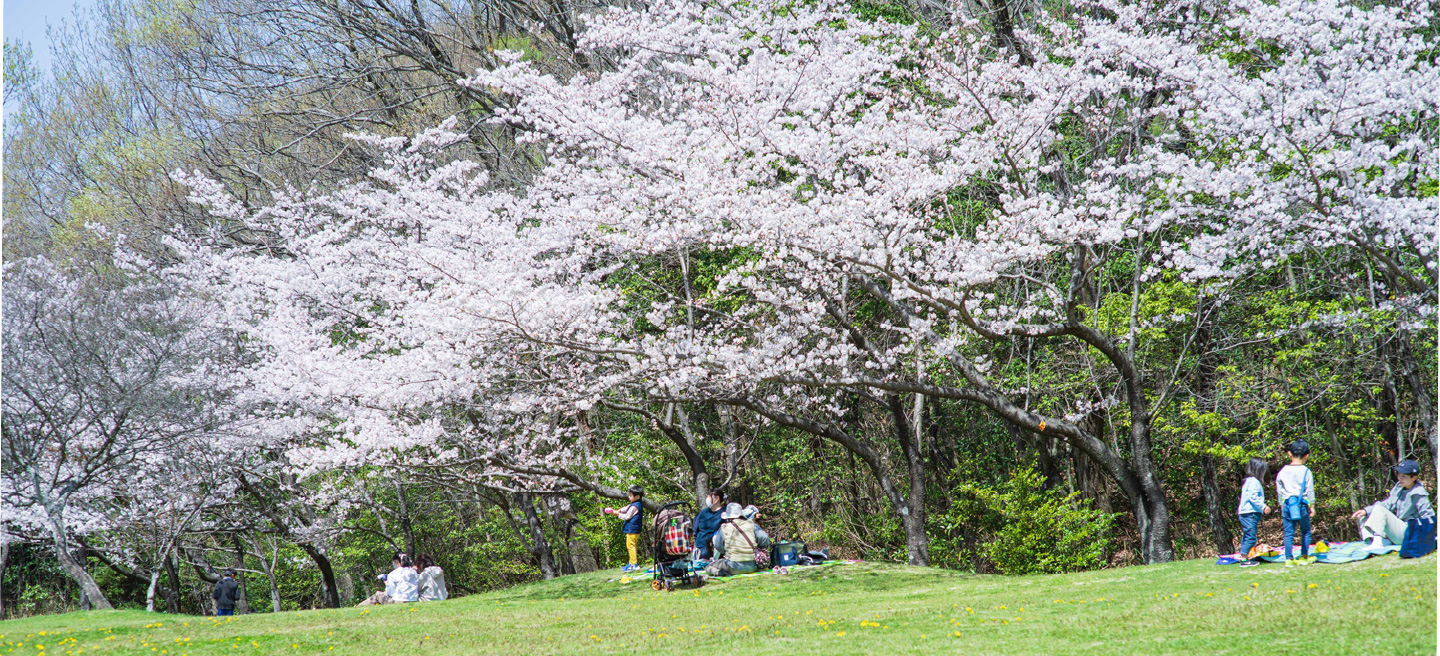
x: 227, y: 590
x: 707, y: 522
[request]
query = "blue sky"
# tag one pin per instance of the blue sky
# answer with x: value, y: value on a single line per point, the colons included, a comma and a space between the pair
x: 25, y: 20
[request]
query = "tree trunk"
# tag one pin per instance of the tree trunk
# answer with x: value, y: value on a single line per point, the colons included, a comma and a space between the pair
x: 76, y: 570
x: 1155, y: 542
x: 172, y: 596
x: 274, y: 589
x: 406, y: 526
x: 912, y: 515
x: 4, y: 564
x: 1215, y: 506
x: 329, y: 591
x: 150, y: 590
x: 539, y: 546
x: 82, y: 555
x: 242, y: 603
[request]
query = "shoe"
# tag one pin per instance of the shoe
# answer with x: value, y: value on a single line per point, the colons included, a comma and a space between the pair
x: 1304, y: 560
x: 629, y: 568
x: 1290, y: 562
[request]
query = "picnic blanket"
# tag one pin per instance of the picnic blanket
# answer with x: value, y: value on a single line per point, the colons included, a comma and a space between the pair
x: 1349, y: 552
x: 1278, y: 555
x: 645, y: 577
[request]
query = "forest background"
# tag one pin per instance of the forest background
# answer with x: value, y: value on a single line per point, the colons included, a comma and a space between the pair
x: 132, y: 477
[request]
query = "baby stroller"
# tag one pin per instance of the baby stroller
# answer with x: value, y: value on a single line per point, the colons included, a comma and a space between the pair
x: 674, y: 549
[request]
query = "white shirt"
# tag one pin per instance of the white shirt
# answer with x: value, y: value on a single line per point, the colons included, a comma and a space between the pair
x: 432, y: 584
x: 401, y: 584
x: 1289, y: 481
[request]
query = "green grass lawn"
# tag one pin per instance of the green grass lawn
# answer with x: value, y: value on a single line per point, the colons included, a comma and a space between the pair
x: 1379, y: 606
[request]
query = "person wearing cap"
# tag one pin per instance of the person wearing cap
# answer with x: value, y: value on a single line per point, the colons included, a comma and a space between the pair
x: 735, y: 544
x: 1295, y: 485
x: 753, y: 514
x: 1385, y: 520
x: 226, y: 592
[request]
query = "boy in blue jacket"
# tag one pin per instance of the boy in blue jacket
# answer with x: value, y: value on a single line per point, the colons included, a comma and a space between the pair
x: 634, y: 517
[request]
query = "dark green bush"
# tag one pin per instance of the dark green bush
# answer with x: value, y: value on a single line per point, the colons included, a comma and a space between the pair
x: 1024, y: 528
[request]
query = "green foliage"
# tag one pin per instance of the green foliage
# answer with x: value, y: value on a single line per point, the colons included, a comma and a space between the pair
x: 1032, y: 529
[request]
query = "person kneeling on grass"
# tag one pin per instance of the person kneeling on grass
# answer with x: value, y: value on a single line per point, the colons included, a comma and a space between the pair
x: 400, y: 584
x: 1384, y: 521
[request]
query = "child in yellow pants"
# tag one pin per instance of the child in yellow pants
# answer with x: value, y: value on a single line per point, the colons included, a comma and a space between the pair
x: 634, y: 517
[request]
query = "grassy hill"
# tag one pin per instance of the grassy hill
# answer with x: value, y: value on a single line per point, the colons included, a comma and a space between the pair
x: 1379, y: 606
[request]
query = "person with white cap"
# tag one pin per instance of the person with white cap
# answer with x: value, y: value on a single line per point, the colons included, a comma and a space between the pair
x: 736, y: 543
x: 1385, y: 519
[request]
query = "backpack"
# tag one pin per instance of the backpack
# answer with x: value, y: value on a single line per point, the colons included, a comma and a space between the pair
x: 1419, y: 537
x: 1295, y: 506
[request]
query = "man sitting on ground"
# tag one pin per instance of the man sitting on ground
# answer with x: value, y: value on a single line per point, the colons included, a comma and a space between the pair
x: 1385, y: 519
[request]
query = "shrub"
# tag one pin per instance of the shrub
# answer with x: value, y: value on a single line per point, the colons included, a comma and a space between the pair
x: 1033, y: 530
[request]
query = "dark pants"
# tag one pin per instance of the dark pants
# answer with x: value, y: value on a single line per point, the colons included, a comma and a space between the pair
x: 1249, y: 527
x: 222, y: 612
x: 1303, y: 526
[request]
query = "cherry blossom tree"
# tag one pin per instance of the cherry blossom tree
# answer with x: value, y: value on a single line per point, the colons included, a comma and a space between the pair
x: 833, y: 163
x: 105, y: 386
x: 892, y: 204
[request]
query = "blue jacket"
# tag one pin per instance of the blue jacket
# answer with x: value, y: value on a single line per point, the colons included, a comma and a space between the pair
x: 706, y: 524
x: 1252, y: 496
x: 637, y: 520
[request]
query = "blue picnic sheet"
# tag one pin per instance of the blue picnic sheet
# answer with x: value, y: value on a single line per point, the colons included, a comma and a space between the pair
x: 1349, y: 552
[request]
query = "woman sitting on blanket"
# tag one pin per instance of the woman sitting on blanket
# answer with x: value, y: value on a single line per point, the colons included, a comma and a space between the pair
x: 736, y: 543
x: 1384, y: 521
x: 400, y: 584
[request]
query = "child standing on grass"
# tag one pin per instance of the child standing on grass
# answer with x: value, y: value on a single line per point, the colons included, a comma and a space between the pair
x: 1252, y: 507
x: 633, y: 515
x: 1295, y: 487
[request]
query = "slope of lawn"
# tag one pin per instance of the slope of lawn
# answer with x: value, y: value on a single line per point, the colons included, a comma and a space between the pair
x: 1380, y: 606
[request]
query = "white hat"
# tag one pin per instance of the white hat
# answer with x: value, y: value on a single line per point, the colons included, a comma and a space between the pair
x: 732, y: 511
x: 751, y: 512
